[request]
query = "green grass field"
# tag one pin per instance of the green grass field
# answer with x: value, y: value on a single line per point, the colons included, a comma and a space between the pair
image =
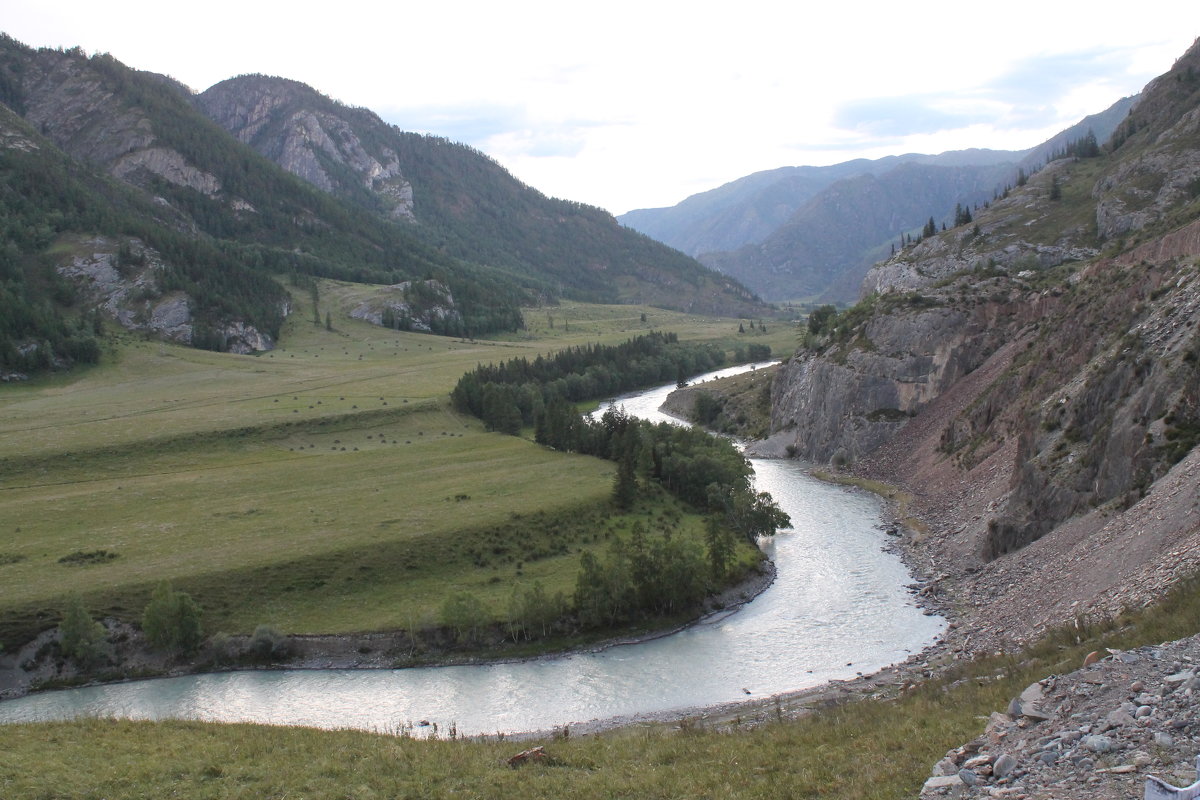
x: 324, y: 487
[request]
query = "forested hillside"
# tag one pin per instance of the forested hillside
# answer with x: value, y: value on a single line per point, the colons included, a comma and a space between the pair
x: 462, y: 202
x: 124, y: 202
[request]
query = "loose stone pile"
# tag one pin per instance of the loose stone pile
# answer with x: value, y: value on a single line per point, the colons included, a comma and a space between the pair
x: 1095, y: 733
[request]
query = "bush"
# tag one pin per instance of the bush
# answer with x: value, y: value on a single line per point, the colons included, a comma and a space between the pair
x: 171, y: 620
x: 268, y: 644
x: 80, y: 637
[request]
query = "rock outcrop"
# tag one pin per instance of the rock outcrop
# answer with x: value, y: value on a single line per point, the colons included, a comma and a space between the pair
x: 304, y: 133
x: 125, y: 282
x: 411, y: 306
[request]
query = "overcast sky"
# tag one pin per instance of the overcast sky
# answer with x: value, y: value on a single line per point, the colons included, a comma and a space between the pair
x: 639, y: 104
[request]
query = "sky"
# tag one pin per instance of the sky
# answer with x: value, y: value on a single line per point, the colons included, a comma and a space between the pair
x: 630, y: 105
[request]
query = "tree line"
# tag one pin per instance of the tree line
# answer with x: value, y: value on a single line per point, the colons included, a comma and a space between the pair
x: 518, y: 392
x: 639, y: 576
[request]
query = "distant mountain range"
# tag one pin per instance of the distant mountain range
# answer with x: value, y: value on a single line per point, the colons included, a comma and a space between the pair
x: 125, y: 194
x: 811, y: 233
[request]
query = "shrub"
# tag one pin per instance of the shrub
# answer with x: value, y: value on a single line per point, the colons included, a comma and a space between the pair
x: 171, y: 620
x: 81, y: 638
x: 268, y: 644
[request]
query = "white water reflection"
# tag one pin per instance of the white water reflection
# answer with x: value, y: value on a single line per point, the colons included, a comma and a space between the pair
x: 838, y: 606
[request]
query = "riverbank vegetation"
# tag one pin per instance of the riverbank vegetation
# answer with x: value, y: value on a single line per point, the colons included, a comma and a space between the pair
x: 878, y: 750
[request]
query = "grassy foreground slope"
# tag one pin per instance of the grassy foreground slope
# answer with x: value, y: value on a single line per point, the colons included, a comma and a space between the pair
x: 324, y: 487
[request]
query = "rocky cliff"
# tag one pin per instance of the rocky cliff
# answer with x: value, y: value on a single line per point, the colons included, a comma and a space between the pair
x: 312, y: 138
x: 1033, y: 378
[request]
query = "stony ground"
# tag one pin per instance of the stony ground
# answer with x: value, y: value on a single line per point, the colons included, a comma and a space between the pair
x: 1098, y: 732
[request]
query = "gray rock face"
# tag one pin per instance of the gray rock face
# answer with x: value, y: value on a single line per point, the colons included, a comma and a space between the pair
x: 841, y: 409
x: 168, y: 165
x: 407, y: 309
x: 131, y: 294
x: 298, y: 129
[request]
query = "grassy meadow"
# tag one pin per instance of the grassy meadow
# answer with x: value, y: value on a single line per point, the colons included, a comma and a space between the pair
x: 326, y: 486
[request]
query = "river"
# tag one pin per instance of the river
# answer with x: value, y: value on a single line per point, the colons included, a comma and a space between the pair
x: 839, y: 606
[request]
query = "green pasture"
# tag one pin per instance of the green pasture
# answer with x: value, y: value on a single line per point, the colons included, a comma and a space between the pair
x: 326, y: 486
x: 147, y: 389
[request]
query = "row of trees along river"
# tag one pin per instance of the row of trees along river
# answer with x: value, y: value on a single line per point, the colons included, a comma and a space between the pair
x: 637, y: 577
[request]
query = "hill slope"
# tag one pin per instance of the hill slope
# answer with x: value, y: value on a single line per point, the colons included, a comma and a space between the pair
x: 460, y: 201
x: 122, y: 198
x: 812, y: 232
x: 1034, y: 380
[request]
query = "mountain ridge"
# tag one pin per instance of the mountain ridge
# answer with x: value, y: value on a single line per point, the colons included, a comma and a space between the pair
x: 213, y: 226
x: 781, y: 231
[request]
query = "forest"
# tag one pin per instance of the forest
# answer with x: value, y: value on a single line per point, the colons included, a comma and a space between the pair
x: 707, y: 472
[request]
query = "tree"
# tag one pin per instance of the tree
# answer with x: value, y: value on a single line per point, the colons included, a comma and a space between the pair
x: 464, y: 614
x: 721, y: 544
x: 625, y: 483
x: 81, y: 638
x: 1055, y: 189
x: 930, y: 229
x: 821, y: 320
x: 328, y: 321
x: 755, y: 515
x: 171, y: 620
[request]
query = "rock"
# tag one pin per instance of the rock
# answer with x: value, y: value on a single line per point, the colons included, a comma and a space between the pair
x: 977, y: 762
x: 943, y: 786
x: 945, y: 767
x: 1098, y: 744
x: 1143, y: 711
x: 1048, y: 757
x: 1162, y: 739
x: 1033, y: 694
x: 1003, y: 766
x: 1178, y: 679
x: 1119, y: 718
x: 968, y: 777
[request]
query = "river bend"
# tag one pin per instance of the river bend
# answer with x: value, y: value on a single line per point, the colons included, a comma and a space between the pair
x: 839, y: 606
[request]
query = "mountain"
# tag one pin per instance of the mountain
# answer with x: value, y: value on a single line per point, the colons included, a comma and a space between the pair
x: 460, y: 201
x: 120, y: 198
x: 749, y: 209
x: 1032, y: 379
x: 812, y: 232
x: 824, y: 248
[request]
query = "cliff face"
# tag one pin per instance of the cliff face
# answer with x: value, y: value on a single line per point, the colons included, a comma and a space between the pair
x: 1035, y: 374
x: 312, y: 138
x: 844, y: 402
